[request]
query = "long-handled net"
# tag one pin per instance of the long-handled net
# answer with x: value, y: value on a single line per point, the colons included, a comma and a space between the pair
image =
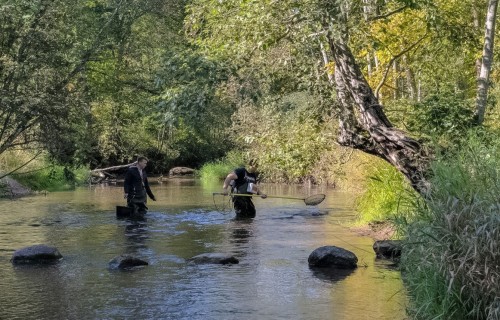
x: 309, y: 201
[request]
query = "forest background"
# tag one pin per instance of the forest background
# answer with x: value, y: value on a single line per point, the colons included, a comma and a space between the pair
x: 385, y: 97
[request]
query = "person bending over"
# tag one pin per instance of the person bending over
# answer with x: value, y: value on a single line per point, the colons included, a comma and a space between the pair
x: 243, y: 181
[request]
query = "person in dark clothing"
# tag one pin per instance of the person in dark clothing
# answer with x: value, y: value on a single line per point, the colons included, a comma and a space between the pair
x: 136, y: 187
x: 243, y: 181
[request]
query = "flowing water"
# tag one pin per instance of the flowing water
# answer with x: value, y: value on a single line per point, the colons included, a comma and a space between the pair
x: 272, y: 280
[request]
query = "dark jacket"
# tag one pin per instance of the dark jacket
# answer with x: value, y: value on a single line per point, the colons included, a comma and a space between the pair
x: 244, y: 179
x: 134, y: 185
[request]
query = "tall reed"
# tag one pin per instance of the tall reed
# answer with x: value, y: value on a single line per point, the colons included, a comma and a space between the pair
x: 451, y: 257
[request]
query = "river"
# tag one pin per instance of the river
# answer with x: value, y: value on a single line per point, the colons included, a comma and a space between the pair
x: 272, y: 280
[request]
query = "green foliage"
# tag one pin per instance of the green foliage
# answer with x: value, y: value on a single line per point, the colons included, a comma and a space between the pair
x: 3, y: 189
x: 189, y: 146
x: 218, y: 170
x: 387, y: 195
x: 53, y: 178
x: 190, y: 109
x: 451, y: 264
x: 36, y: 59
x: 189, y: 83
x: 444, y: 115
x: 287, y: 136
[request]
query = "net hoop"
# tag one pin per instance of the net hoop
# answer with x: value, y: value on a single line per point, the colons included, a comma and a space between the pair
x: 314, y: 199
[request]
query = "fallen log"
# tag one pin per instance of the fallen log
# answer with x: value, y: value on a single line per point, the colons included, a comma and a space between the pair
x: 114, y: 168
x: 99, y: 175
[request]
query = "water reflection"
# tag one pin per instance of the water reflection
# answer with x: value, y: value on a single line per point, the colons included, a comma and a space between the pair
x: 332, y: 274
x: 240, y: 235
x: 272, y: 280
x: 136, y: 234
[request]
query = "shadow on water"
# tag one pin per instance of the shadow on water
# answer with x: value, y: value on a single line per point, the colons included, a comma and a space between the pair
x: 332, y: 274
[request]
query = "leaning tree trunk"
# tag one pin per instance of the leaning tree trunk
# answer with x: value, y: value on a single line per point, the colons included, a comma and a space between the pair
x: 484, y: 73
x: 364, y: 126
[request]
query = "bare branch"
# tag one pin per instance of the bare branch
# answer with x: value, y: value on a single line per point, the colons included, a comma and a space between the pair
x: 114, y: 168
x: 23, y: 165
x: 394, y: 58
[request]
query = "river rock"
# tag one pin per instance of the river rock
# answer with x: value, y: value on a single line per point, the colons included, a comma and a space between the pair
x: 12, y: 189
x: 214, y: 258
x: 333, y: 257
x: 126, y: 261
x: 181, y: 171
x: 36, y: 254
x: 389, y: 249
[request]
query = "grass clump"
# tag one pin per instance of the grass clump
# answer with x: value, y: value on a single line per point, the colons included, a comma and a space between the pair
x: 451, y: 261
x: 387, y: 195
x: 218, y: 170
x: 52, y: 178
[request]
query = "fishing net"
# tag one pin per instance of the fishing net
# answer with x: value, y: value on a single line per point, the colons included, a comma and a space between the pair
x: 222, y: 204
x: 314, y: 199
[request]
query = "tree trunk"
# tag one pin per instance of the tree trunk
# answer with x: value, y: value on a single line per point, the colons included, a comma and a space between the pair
x: 410, y: 80
x: 364, y: 126
x: 484, y: 74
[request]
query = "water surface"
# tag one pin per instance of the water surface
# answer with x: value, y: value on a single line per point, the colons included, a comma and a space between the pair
x: 272, y: 280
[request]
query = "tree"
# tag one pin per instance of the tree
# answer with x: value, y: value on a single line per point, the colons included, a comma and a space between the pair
x: 44, y: 47
x: 362, y: 122
x: 486, y: 62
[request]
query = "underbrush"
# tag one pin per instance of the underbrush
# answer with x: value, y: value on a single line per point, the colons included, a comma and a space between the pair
x: 451, y: 260
x: 39, y: 173
x: 218, y: 170
x: 386, y: 196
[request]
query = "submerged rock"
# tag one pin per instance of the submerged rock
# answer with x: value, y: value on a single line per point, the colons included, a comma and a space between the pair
x: 36, y: 254
x: 214, y: 258
x: 126, y: 261
x: 332, y: 257
x: 389, y: 249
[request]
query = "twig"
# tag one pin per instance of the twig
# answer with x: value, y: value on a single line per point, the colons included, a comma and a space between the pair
x: 394, y: 58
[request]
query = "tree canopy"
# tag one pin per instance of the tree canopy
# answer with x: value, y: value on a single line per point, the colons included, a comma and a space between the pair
x: 184, y: 82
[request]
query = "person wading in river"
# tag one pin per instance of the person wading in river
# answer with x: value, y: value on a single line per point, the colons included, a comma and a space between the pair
x: 136, y: 187
x: 243, y: 181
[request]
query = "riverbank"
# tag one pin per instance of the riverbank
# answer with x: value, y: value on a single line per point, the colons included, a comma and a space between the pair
x: 379, y: 230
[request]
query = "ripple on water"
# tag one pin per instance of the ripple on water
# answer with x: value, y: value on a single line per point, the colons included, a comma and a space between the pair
x: 272, y: 280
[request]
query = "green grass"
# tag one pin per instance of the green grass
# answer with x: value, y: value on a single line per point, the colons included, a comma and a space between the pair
x: 451, y: 260
x: 218, y: 170
x: 52, y: 178
x: 387, y: 195
x: 40, y: 173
